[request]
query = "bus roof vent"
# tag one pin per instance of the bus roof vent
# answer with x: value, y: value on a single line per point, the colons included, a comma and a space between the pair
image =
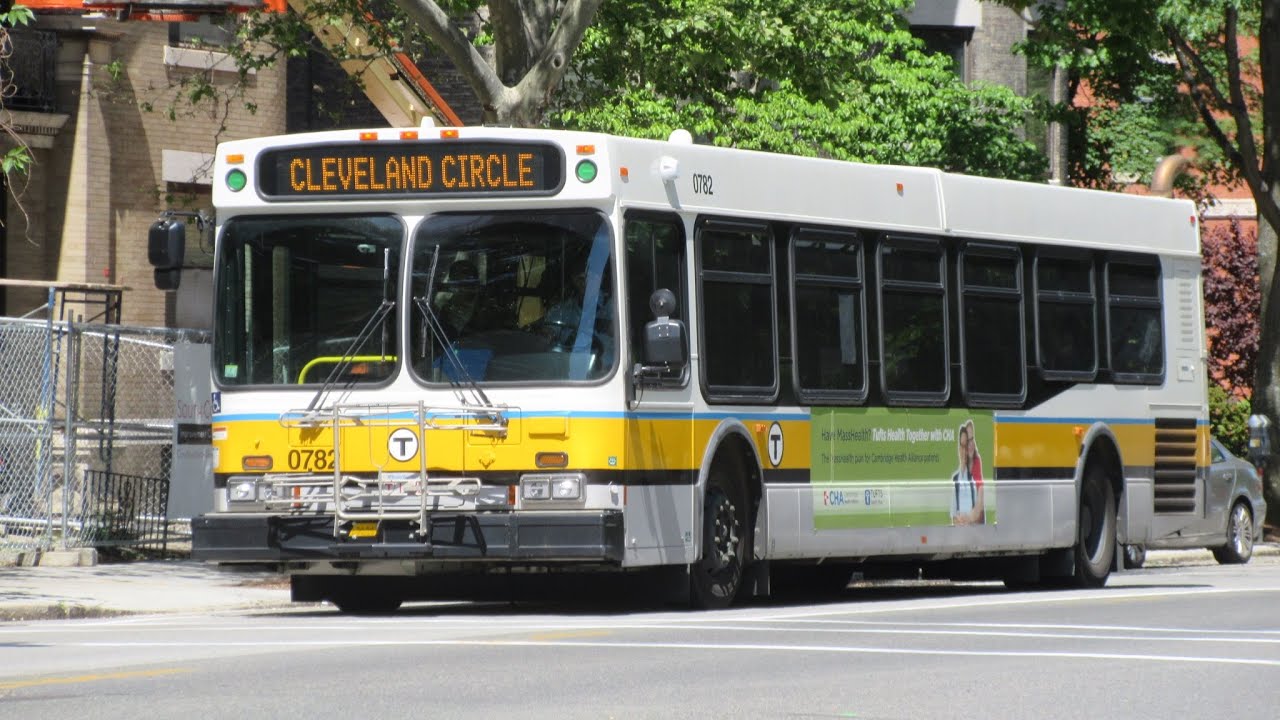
x: 680, y: 136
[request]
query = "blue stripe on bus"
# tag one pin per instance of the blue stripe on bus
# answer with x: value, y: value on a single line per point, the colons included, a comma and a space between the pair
x: 788, y: 417
x: 1022, y: 420
x: 585, y: 415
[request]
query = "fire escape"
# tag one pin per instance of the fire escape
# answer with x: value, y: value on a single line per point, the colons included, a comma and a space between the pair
x: 393, y: 83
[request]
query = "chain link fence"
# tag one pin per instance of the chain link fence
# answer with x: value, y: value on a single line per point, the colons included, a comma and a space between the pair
x: 86, y: 434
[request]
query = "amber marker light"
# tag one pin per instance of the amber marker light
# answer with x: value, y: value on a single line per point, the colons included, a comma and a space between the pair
x: 235, y: 159
x: 256, y: 462
x: 408, y: 134
x: 624, y: 173
x: 551, y: 459
x: 900, y: 188
x: 448, y: 134
x: 586, y: 149
x: 366, y: 136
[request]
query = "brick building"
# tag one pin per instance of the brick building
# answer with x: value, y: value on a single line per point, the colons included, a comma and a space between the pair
x: 104, y: 168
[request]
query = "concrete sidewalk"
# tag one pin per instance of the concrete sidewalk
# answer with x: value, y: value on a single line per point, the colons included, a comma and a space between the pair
x: 104, y: 590
x: 184, y: 586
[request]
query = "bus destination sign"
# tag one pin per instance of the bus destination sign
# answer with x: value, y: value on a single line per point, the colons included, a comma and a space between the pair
x: 409, y: 169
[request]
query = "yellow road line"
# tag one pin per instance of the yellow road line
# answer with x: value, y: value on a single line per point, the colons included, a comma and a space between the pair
x: 97, y: 677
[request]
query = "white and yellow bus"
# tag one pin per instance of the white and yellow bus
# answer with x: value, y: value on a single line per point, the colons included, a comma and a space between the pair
x: 443, y: 355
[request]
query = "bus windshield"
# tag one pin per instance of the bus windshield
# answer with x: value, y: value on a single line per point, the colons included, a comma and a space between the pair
x: 519, y: 297
x: 296, y: 296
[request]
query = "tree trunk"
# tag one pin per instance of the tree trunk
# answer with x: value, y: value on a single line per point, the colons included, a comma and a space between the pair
x: 1266, y: 384
x: 534, y: 41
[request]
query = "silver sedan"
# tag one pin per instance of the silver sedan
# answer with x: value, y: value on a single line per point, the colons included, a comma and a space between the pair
x: 1232, y: 521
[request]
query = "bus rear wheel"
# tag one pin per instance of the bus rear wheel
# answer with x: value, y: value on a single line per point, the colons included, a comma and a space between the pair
x: 1096, y: 533
x: 714, y: 580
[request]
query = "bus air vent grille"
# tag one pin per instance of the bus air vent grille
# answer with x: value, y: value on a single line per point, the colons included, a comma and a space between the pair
x: 1175, y: 465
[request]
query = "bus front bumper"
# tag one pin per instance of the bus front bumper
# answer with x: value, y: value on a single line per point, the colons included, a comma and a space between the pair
x: 532, y: 537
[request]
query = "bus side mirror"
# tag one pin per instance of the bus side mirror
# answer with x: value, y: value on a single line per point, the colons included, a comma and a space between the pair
x: 665, y: 350
x: 166, y: 249
x: 1259, y: 440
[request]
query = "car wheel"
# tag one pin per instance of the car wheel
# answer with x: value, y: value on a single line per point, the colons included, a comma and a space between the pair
x: 1134, y: 556
x: 1239, y: 547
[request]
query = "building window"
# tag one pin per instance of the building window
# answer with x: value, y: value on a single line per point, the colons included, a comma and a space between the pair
x: 950, y: 41
x: 205, y: 33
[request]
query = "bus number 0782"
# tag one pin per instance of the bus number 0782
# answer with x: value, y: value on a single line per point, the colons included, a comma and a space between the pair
x: 310, y: 459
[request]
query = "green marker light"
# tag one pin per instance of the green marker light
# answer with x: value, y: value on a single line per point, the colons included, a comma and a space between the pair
x: 236, y: 180
x: 586, y: 171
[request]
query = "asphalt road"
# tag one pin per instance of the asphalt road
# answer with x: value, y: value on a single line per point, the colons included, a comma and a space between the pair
x: 1195, y: 641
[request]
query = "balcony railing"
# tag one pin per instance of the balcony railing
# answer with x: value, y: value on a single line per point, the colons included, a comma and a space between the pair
x: 28, y: 80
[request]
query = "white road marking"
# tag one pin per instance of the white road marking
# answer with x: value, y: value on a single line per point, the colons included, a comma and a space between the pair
x: 739, y: 647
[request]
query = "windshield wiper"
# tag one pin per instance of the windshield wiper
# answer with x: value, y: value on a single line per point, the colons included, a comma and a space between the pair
x: 344, y: 362
x: 451, y: 355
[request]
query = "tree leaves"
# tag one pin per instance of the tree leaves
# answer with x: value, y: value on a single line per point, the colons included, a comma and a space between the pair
x: 811, y: 77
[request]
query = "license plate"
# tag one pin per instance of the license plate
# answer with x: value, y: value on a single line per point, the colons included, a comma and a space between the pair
x: 364, y: 530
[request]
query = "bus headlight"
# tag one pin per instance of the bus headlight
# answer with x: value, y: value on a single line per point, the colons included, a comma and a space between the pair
x: 551, y: 486
x: 568, y: 488
x: 243, y: 491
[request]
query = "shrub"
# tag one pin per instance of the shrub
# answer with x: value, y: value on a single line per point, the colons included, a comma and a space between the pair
x: 1228, y: 419
x: 1229, y: 261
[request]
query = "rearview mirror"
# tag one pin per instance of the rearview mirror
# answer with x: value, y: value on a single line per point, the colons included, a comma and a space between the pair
x: 665, y: 351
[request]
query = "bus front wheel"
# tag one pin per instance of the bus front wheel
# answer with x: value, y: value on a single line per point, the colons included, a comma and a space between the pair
x: 1096, y: 534
x: 714, y: 580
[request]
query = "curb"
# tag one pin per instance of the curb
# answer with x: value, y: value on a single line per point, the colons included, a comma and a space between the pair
x: 77, y: 557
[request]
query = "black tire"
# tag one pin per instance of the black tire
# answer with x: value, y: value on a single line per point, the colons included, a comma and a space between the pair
x: 1134, y: 556
x: 1239, y: 547
x: 716, y: 578
x: 1096, y: 533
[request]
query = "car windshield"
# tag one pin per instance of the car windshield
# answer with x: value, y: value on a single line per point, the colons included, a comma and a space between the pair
x: 302, y: 297
x: 518, y: 297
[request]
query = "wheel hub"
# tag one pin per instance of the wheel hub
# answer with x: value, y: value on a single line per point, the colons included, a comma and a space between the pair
x: 724, y: 534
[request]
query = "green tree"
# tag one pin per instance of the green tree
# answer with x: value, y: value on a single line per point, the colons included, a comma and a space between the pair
x: 812, y: 77
x: 1218, y: 58
x: 16, y: 156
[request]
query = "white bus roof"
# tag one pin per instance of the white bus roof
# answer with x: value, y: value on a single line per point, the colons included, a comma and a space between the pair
x: 664, y: 175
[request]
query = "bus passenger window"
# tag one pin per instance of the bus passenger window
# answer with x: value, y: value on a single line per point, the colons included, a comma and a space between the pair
x: 1135, y: 338
x: 1066, y: 336
x: 992, y: 348
x: 913, y: 321
x: 738, y: 324
x: 828, y: 316
x: 655, y: 259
